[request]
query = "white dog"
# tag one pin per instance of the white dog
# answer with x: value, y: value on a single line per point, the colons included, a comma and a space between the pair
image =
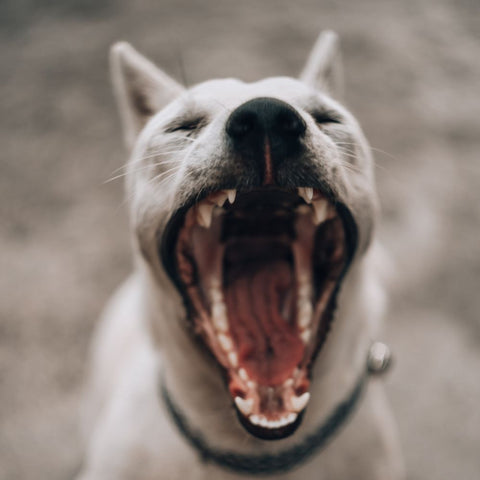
x: 242, y: 344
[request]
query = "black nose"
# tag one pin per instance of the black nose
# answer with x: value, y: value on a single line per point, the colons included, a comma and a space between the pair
x: 263, y: 121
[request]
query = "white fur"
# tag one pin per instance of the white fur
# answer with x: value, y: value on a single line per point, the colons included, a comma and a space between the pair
x: 142, y: 334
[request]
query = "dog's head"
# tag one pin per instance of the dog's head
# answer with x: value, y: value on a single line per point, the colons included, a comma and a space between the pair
x: 253, y: 200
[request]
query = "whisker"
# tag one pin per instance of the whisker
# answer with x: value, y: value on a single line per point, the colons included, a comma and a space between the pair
x: 390, y: 155
x: 138, y: 169
x: 347, y: 154
x: 375, y: 149
x: 116, y: 177
x: 150, y: 181
x: 156, y: 154
x: 120, y: 168
x: 349, y: 166
x: 165, y: 162
x: 170, y: 171
x: 146, y: 157
x: 376, y: 164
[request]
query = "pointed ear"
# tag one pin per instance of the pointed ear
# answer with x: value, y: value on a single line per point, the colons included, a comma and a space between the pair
x: 323, y: 69
x: 141, y: 89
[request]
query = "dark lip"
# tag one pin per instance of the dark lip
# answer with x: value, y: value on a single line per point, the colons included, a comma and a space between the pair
x: 167, y: 243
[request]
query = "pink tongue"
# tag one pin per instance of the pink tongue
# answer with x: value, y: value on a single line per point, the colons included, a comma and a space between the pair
x: 267, y: 343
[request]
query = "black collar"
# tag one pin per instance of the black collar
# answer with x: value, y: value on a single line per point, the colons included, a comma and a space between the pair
x: 284, y: 460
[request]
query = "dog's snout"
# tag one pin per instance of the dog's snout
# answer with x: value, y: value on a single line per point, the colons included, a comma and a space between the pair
x: 266, y: 123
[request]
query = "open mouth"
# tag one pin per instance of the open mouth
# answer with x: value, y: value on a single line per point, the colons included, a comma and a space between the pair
x: 259, y: 272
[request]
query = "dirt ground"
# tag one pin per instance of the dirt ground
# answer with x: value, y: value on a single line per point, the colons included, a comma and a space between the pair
x: 413, y: 75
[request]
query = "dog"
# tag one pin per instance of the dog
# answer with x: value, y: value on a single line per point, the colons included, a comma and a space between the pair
x: 244, y: 342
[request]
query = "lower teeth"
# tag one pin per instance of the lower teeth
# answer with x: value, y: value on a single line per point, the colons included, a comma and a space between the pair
x: 281, y: 422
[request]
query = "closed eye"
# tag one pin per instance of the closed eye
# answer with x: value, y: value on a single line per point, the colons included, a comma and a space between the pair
x: 324, y: 117
x: 190, y: 125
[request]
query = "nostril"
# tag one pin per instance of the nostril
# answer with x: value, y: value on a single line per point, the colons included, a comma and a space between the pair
x: 240, y: 124
x: 290, y: 123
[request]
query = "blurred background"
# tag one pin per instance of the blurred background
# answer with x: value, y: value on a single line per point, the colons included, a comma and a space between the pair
x: 412, y: 78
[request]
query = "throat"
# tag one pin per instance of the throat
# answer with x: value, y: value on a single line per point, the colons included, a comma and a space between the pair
x: 260, y: 299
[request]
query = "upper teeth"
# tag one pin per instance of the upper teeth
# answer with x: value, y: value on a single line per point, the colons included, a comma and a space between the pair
x: 204, y: 215
x: 320, y: 205
x: 306, y: 193
x: 205, y: 207
x: 231, y: 195
x: 304, y: 303
x: 222, y: 198
x: 320, y: 210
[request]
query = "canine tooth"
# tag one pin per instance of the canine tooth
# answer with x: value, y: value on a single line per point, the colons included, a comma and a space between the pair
x: 306, y: 193
x: 233, y: 358
x: 231, y: 194
x: 204, y: 214
x: 221, y: 199
x: 245, y: 406
x: 219, y: 316
x: 225, y: 342
x: 243, y: 374
x: 320, y: 210
x: 305, y: 335
x: 299, y: 403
